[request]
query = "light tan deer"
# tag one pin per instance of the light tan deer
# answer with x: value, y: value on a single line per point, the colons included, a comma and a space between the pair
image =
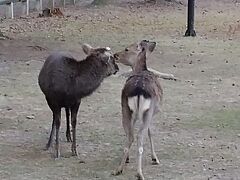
x: 128, y: 57
x: 141, y: 99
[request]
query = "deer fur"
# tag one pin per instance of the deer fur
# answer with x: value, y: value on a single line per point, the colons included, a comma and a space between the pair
x: 141, y: 99
x: 65, y: 81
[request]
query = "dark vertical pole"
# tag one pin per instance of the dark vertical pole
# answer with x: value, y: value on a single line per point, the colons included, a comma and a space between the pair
x: 190, y: 26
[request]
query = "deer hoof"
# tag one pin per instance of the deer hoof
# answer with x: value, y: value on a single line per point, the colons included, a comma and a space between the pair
x: 46, y: 147
x: 69, y: 139
x: 74, y: 152
x: 127, y: 160
x: 139, y: 176
x: 117, y: 172
x: 57, y: 155
x: 155, y: 161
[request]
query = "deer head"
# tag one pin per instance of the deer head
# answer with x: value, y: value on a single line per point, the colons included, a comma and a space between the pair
x: 105, y: 55
x: 129, y: 55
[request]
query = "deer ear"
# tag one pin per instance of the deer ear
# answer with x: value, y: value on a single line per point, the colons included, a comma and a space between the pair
x: 152, y: 46
x: 87, y: 48
x: 108, y: 48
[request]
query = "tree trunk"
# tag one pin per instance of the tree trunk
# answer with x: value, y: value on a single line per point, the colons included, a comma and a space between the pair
x: 190, y: 26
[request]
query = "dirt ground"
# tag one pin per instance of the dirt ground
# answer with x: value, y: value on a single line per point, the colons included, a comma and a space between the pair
x: 197, y: 135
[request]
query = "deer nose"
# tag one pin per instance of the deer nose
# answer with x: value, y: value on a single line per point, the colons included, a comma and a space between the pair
x: 116, y: 68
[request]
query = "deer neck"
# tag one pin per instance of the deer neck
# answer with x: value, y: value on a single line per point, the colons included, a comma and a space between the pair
x: 139, y: 66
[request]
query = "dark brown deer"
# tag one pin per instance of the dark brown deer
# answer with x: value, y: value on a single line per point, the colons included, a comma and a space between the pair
x: 128, y: 57
x: 141, y: 99
x: 65, y: 81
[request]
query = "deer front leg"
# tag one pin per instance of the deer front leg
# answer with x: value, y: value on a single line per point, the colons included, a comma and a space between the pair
x: 68, y: 131
x: 51, y: 135
x: 155, y: 160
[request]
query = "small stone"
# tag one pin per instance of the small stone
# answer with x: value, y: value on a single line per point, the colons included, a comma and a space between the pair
x: 191, y: 144
x: 31, y: 117
x: 9, y: 109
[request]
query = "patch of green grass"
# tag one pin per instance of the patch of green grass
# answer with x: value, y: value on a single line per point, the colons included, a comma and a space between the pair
x: 225, y: 119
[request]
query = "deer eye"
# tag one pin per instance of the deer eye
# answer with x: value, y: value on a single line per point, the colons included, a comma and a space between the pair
x: 126, y: 49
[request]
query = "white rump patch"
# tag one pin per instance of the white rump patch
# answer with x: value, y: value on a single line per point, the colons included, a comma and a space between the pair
x: 132, y: 103
x: 144, y: 103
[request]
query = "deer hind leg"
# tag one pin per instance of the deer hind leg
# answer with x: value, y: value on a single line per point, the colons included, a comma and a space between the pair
x: 147, y: 117
x: 128, y: 124
x: 57, y: 120
x: 74, y: 111
x: 68, y: 131
x: 53, y: 125
x: 155, y: 160
x: 51, y: 135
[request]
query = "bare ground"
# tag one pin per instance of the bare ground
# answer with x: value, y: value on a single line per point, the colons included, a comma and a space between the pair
x: 197, y: 135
